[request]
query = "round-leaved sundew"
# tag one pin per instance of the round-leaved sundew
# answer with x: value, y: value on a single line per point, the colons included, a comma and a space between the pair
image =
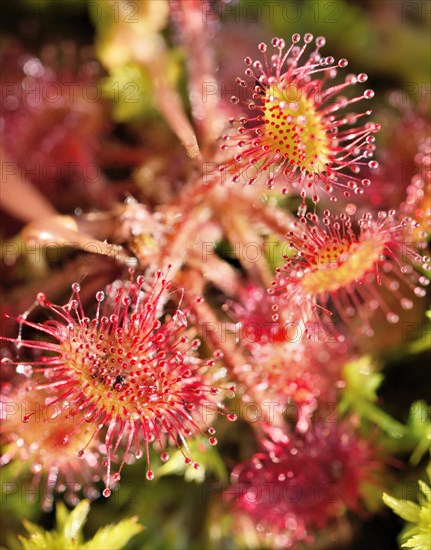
x: 299, y: 134
x: 131, y: 372
x: 343, y: 263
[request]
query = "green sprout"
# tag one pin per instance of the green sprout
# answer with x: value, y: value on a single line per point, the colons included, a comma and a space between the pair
x: 68, y: 534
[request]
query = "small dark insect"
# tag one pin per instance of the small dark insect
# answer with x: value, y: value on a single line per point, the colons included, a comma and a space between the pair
x: 119, y: 381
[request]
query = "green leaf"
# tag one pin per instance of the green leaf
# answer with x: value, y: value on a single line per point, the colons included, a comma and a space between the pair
x: 361, y: 379
x: 75, y: 521
x: 418, y: 542
x: 404, y: 508
x: 419, y: 425
x: 68, y: 534
x: 425, y: 490
x: 360, y: 396
x: 114, y: 537
x: 417, y: 533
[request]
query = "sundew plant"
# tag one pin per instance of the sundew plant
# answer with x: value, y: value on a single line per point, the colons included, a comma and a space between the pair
x: 215, y: 321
